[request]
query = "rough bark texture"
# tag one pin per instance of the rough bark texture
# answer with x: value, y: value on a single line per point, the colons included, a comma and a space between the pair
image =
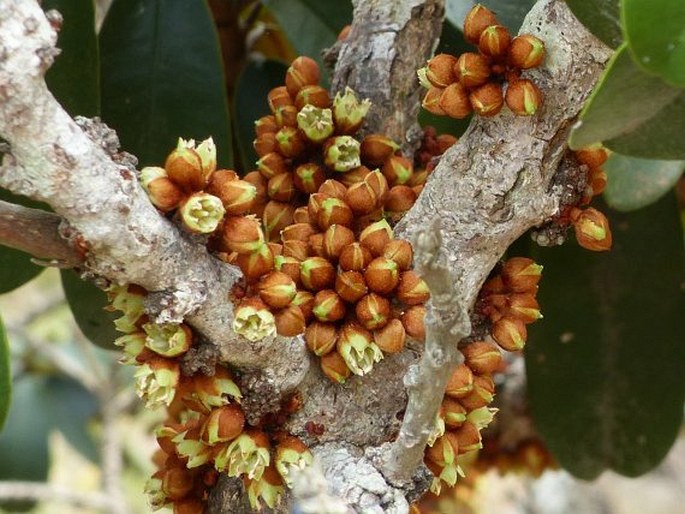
x: 498, y: 182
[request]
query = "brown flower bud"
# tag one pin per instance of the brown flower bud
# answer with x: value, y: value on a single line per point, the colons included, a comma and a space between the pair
x: 597, y: 180
x: 468, y: 437
x: 237, y: 196
x: 592, y: 229
x: 281, y: 187
x: 472, y: 69
x: 276, y: 217
x: 288, y: 265
x: 526, y: 51
x: 301, y: 215
x: 592, y: 156
x: 454, y: 101
x: 373, y: 311
x: 494, y: 41
x: 333, y: 189
x: 335, y: 367
x: 495, y: 285
x: 312, y: 95
x: 476, y: 21
x: 286, y: 116
x: 298, y: 250
x: 335, y: 239
x: 328, y: 306
x: 276, y: 248
x: 355, y: 257
x: 510, y: 333
x: 521, y: 275
x: 290, y: 142
x: 334, y: 212
x: 523, y: 97
x: 289, y: 321
x: 223, y: 424
x: 316, y: 245
x: 184, y: 168
x: 390, y: 338
x: 376, y: 236
x: 265, y: 124
x: 376, y: 148
x: 277, y: 289
x: 308, y: 177
x: 344, y: 33
x: 440, y: 70
x: 305, y: 301
x: 487, y: 100
x: 482, y: 394
x: 241, y: 234
x: 431, y: 101
x: 164, y: 193
x: 177, y: 482
x: 444, y: 451
x: 413, y: 322
x: 377, y: 181
x: 354, y: 176
x: 278, y: 97
x: 460, y: 383
x: 317, y: 273
x: 483, y: 358
x: 400, y: 199
x: 397, y: 170
x: 314, y: 204
x: 412, y: 289
x: 303, y: 71
x: 259, y: 182
x: 444, y: 142
x: 350, y: 285
x: 320, y: 337
x: 349, y: 111
x: 297, y: 232
x: 255, y: 264
x: 361, y: 198
x: 382, y: 275
x: 453, y: 413
x: 400, y: 251
x: 264, y: 144
x: 272, y: 164
x: 523, y: 306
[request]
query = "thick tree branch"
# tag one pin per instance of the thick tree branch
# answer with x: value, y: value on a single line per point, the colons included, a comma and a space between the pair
x: 36, y: 232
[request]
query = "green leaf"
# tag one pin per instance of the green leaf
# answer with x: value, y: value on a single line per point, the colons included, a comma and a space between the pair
x: 311, y: 25
x: 510, y: 13
x: 87, y: 304
x: 162, y: 78
x: 452, y: 40
x: 5, y: 376
x: 655, y: 32
x: 250, y: 104
x: 601, y: 17
x: 635, y: 183
x: 74, y: 78
x: 605, y: 365
x: 649, y: 128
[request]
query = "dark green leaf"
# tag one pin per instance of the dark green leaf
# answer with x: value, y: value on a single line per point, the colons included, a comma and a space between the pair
x: 605, y: 365
x: 74, y: 78
x: 452, y: 40
x: 162, y: 77
x: 634, y: 183
x: 87, y: 304
x: 601, y: 17
x: 651, y: 122
x: 655, y: 32
x: 510, y: 13
x: 311, y: 25
x: 256, y: 80
x: 5, y: 376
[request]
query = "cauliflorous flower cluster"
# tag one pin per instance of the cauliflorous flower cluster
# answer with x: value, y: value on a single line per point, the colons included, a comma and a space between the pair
x: 476, y: 81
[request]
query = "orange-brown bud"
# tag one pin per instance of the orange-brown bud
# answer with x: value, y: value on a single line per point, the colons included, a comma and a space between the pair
x: 597, y: 180
x: 298, y: 250
x: 413, y: 322
x: 290, y: 142
x: 289, y: 321
x: 400, y: 251
x: 472, y: 69
x: 397, y: 170
x: 482, y: 394
x: 184, y: 168
x: 241, y: 234
x: 276, y: 217
x: 333, y: 189
x: 320, y: 337
x: 272, y: 164
x: 400, y: 199
x: 335, y: 239
x: 523, y: 306
x: 344, y: 33
x: 264, y: 144
x: 440, y: 70
x: 468, y: 437
x: 316, y: 245
x: 277, y: 289
x: 376, y: 236
x: 526, y: 51
x: 454, y: 101
x: 177, y: 482
x: 288, y: 265
x: 312, y: 95
x: 265, y: 124
x: 592, y: 156
x: 377, y: 181
x: 301, y: 215
x: 453, y: 413
x: 510, y: 333
x: 487, y: 100
x: 303, y: 71
x: 476, y: 21
x: 281, y: 187
x: 523, y: 97
x: 317, y: 273
x: 255, y: 264
x: 308, y: 177
x: 483, y: 358
x: 355, y: 257
x: 335, y: 367
x: 305, y: 301
x: 314, y: 204
x: 390, y: 338
x: 223, y: 424
x: 444, y: 142
x: 334, y: 212
x: 494, y: 41
x: 444, y: 451
x: 373, y: 311
x: 460, y: 383
x: 521, y: 274
x: 286, y: 116
x: 259, y: 182
x: 592, y: 229
x: 297, y: 232
x: 279, y: 97
x: 354, y: 176
x: 361, y: 198
x: 431, y: 101
x: 328, y: 306
x: 376, y: 148
x: 164, y: 193
x: 382, y: 275
x: 350, y: 285
x: 412, y: 289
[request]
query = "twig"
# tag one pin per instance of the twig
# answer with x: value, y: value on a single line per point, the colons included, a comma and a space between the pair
x: 38, y: 491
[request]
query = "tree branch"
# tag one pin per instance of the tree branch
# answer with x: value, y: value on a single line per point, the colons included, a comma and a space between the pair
x: 37, y: 491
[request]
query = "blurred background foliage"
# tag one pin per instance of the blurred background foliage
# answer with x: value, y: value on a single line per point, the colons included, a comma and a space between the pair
x: 604, y: 365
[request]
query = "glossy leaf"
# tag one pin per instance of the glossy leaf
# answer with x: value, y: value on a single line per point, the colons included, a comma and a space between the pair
x: 87, y: 304
x: 605, y: 364
x: 649, y: 128
x: 162, y: 77
x: 5, y: 376
x: 74, y: 77
x: 655, y: 32
x: 311, y: 25
x: 634, y: 183
x: 601, y: 17
x: 250, y: 104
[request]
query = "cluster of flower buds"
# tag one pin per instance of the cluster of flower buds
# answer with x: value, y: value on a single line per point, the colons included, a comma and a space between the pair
x: 590, y: 225
x: 529, y: 456
x: 483, y: 81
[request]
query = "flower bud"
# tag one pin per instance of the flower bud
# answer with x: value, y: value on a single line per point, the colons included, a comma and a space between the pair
x: 264, y: 144
x: 487, y: 100
x: 277, y: 216
x: 521, y: 274
x: 400, y: 199
x: 316, y: 123
x: 361, y: 198
x: 265, y: 124
x: 156, y: 381
x: 316, y: 245
x: 290, y: 142
x: 281, y: 187
x: 291, y: 453
x: 354, y: 176
x: 592, y: 229
x: 482, y: 394
x: 223, y: 424
x: 313, y: 95
x: 483, y: 358
x: 400, y: 251
x: 526, y: 51
x: 272, y: 164
x: 335, y: 367
x: 431, y: 101
x: 472, y: 69
x: 259, y: 182
x: 494, y: 41
x: 397, y: 170
x: 314, y: 204
x: 390, y: 338
x: 132, y: 345
x: 510, y: 333
x: 298, y: 250
x: 373, y: 311
x: 412, y: 289
x: 349, y: 112
x: 305, y: 301
x: 303, y: 71
x: 317, y: 273
x: 288, y: 265
x: 445, y: 141
x: 297, y: 232
x: 189, y: 505
x: 413, y: 322
x: 354, y: 257
x: 184, y: 166
x: 468, y: 437
x: 237, y: 196
x: 334, y: 212
x: 301, y: 215
x: 335, y: 239
x: 453, y: 413
x: 242, y: 234
x: 341, y: 153
x: 269, y: 488
x: 253, y: 320
x: 376, y: 236
x: 357, y: 348
x: 476, y: 21
x: 376, y: 148
x: 377, y: 181
x: 460, y: 383
x: 204, y: 393
x: 350, y: 286
x: 290, y: 321
x: 382, y: 275
x: 201, y: 213
x: 440, y: 70
x: 444, y: 450
x: 177, y: 482
x: 248, y: 454
x: 454, y: 101
x: 523, y: 97
x: 276, y: 289
x: 593, y: 156
x: 523, y: 306
x: 286, y: 116
x: 333, y: 189
x: 328, y: 306
x: 597, y: 180
x: 168, y: 339
x: 279, y: 97
x: 255, y: 264
x: 320, y: 337
x: 164, y: 193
